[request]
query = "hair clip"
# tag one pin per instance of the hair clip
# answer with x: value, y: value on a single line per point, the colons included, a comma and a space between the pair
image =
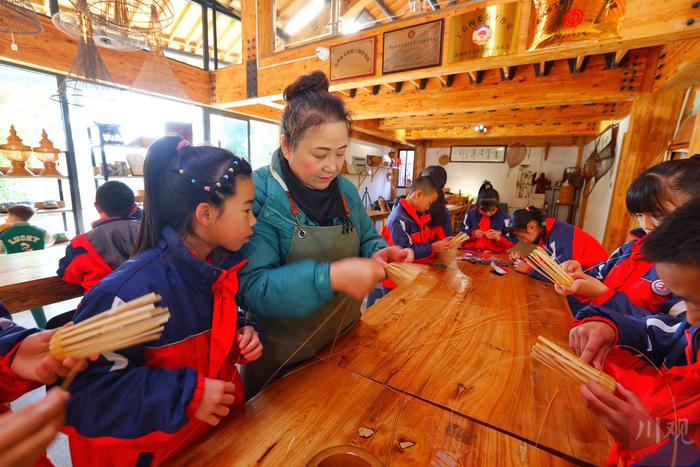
x: 193, y: 180
x: 230, y: 169
x: 182, y: 144
x: 218, y: 184
x: 527, y: 209
x: 181, y: 171
x: 226, y: 176
x: 207, y: 188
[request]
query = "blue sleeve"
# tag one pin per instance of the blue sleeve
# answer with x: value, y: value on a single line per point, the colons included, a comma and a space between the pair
x: 658, y: 336
x: 447, y: 226
x: 401, y: 238
x: 118, y: 396
x: 270, y: 288
x: 65, y: 262
x: 10, y: 333
x: 502, y: 218
x: 468, y: 223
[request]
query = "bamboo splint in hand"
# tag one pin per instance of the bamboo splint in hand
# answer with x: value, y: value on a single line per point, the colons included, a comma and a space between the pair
x: 134, y: 322
x: 456, y: 241
x: 404, y: 273
x: 568, y: 364
x: 538, y: 259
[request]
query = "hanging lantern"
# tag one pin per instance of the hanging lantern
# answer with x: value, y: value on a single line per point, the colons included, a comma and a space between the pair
x: 48, y: 154
x: 128, y: 15
x: 17, y: 153
x: 17, y: 18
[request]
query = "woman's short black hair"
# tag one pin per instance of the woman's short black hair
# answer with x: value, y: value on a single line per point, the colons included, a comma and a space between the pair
x: 657, y: 185
x: 677, y: 238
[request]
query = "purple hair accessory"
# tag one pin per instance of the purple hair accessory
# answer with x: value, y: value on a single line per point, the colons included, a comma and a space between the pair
x: 182, y: 144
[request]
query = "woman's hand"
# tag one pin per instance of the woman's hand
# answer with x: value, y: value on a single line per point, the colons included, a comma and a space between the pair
x: 217, y: 397
x: 623, y: 415
x: 33, y: 362
x: 24, y: 434
x: 356, y: 277
x: 248, y: 342
x: 393, y: 254
x: 591, y: 341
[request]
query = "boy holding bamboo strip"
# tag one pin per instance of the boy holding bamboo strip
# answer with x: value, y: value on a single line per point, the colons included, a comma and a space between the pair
x: 656, y: 420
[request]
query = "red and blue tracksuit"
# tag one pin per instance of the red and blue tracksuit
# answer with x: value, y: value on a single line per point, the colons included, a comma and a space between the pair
x: 670, y: 393
x: 476, y: 220
x: 136, y: 405
x: 438, y: 232
x: 93, y: 255
x: 564, y: 241
x: 11, y: 385
x: 626, y: 272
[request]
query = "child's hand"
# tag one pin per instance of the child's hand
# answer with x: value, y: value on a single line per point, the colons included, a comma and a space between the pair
x: 521, y: 266
x: 492, y: 234
x: 249, y: 344
x: 441, y: 246
x: 623, y: 415
x: 24, y: 434
x: 591, y: 341
x: 572, y: 266
x: 393, y: 254
x: 479, y: 233
x: 583, y: 285
x: 217, y: 396
x: 356, y: 277
x: 34, y: 362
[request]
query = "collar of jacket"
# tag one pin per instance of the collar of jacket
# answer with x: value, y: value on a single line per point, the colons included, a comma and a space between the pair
x: 638, y: 233
x: 411, y: 211
x: 202, y: 270
x: 107, y: 220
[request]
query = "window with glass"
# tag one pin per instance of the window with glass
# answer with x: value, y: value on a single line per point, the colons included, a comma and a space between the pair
x: 229, y: 133
x: 264, y: 140
x: 406, y: 168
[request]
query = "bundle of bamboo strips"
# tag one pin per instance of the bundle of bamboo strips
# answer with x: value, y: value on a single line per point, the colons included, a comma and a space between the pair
x: 131, y: 323
x: 404, y: 273
x: 568, y: 364
x: 456, y: 241
x: 539, y: 260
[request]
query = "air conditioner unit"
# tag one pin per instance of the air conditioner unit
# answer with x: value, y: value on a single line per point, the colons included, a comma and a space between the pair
x: 356, y: 164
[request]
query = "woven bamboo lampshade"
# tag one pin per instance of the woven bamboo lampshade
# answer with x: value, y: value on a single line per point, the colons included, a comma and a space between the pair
x: 128, y: 15
x: 17, y: 18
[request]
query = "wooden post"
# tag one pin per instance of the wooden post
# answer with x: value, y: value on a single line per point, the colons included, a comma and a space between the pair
x: 652, y: 123
x: 583, y: 199
x: 694, y: 145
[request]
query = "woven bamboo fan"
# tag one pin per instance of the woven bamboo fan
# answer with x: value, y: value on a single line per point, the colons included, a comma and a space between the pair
x: 404, y: 273
x: 68, y: 22
x: 602, y: 159
x: 128, y: 15
x: 17, y: 18
x: 515, y: 155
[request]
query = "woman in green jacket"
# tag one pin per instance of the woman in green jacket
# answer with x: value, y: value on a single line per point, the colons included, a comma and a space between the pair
x: 315, y: 252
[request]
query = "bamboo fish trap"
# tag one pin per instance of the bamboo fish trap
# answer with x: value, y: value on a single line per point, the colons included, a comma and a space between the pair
x: 404, y: 273
x: 538, y: 259
x: 131, y: 323
x: 568, y: 364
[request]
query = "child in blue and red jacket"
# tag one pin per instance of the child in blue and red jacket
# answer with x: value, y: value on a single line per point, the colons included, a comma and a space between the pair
x: 439, y: 224
x: 656, y: 193
x: 486, y: 224
x: 93, y: 255
x: 655, y: 413
x: 561, y: 240
x: 142, y: 404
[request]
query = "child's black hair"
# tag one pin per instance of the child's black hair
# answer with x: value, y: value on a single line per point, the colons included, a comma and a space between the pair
x: 177, y: 178
x: 677, y: 238
x: 488, y: 197
x: 309, y: 104
x: 424, y: 183
x: 437, y: 210
x: 650, y: 191
x: 116, y: 199
x: 522, y: 217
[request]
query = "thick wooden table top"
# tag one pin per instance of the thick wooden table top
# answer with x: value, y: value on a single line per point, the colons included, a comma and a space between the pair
x: 468, y: 352
x: 322, y: 406
x: 29, y: 280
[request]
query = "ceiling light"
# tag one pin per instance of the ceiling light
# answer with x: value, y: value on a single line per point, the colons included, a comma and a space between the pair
x: 480, y: 128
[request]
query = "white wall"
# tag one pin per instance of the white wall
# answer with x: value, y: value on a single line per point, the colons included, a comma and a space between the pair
x: 377, y: 186
x: 599, y: 200
x: 469, y: 176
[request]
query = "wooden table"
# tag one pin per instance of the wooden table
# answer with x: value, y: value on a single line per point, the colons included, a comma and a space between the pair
x: 322, y: 406
x: 29, y: 280
x: 423, y: 361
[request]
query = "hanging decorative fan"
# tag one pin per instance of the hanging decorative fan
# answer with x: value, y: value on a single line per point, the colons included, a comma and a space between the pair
x: 515, y: 155
x: 87, y: 71
x: 128, y: 16
x: 68, y: 23
x: 156, y: 75
x: 17, y: 18
x: 601, y: 159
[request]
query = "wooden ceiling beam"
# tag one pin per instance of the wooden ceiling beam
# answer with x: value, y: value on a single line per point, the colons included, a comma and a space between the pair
x: 525, y: 129
x: 531, y: 141
x: 596, y: 85
x: 679, y: 65
x: 580, y: 112
x: 371, y: 127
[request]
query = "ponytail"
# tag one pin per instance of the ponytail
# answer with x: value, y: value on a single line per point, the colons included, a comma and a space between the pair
x: 177, y: 178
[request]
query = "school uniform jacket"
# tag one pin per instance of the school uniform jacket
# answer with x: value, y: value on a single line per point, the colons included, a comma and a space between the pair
x: 475, y: 220
x: 408, y: 229
x: 564, y: 241
x: 628, y: 273
x: 137, y: 404
x: 93, y: 255
x: 671, y: 344
x: 438, y: 232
